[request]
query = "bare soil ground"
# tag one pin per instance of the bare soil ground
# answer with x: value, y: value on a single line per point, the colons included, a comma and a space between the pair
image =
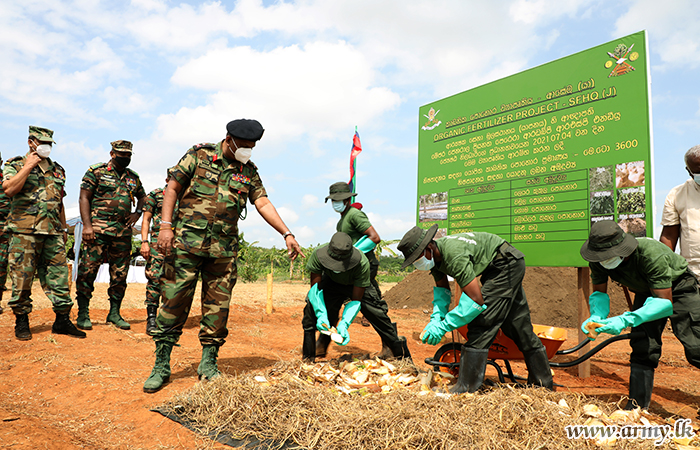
x: 59, y: 392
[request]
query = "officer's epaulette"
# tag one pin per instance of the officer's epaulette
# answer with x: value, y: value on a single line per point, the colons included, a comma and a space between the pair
x: 133, y: 172
x: 252, y: 164
x: 58, y: 166
x: 204, y: 145
x: 13, y: 159
x: 98, y: 165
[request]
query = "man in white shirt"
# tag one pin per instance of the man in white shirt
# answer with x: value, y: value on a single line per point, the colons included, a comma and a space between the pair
x: 681, y: 216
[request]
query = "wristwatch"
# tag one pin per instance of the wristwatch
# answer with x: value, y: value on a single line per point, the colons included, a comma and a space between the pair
x: 288, y: 233
x: 138, y: 211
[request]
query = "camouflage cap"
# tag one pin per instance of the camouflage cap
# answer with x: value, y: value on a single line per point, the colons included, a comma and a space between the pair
x: 41, y: 134
x: 122, y: 146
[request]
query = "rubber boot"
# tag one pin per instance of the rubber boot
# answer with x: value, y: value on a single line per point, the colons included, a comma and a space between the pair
x: 322, y: 344
x: 161, y: 369
x: 63, y: 325
x: 400, y: 349
x: 22, y: 331
x: 538, y: 371
x: 152, y: 312
x: 208, y: 370
x: 83, y: 320
x: 116, y: 318
x: 472, y: 368
x: 309, y: 348
x: 641, y: 385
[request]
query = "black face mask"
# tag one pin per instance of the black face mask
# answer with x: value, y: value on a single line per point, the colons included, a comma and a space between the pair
x: 122, y: 161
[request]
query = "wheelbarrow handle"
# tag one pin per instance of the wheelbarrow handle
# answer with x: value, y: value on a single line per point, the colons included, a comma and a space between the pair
x: 596, y: 349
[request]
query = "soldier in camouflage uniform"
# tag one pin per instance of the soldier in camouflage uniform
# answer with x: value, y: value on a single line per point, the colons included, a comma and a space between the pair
x: 154, y: 259
x: 37, y: 222
x: 107, y: 193
x: 213, y: 183
x: 4, y: 238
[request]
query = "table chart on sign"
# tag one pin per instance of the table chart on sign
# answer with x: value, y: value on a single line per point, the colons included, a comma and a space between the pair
x: 547, y: 208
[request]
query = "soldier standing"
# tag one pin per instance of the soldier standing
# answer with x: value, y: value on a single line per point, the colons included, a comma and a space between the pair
x: 213, y: 183
x: 106, y: 194
x: 37, y: 222
x: 154, y: 259
x: 4, y: 237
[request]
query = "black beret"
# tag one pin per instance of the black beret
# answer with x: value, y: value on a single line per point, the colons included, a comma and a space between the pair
x: 247, y: 129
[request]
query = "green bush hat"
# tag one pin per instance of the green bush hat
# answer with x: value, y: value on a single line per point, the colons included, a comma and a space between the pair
x: 414, y: 243
x: 246, y: 129
x: 607, y: 240
x: 41, y: 134
x: 339, y: 191
x: 122, y: 146
x: 339, y: 255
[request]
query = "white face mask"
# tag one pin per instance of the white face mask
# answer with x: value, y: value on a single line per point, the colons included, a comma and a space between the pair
x: 424, y: 263
x: 338, y: 206
x: 43, y: 150
x: 696, y: 178
x: 242, y: 153
x: 612, y: 263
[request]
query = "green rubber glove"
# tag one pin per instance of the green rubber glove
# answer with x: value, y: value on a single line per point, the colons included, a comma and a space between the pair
x: 364, y: 244
x: 599, y: 304
x: 441, y: 303
x: 654, y: 308
x: 349, y: 312
x: 462, y: 314
x: 315, y: 297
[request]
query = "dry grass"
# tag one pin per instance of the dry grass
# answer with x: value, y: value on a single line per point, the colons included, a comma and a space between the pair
x: 294, y: 409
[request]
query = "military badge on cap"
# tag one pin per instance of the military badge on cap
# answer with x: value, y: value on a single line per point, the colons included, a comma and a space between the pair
x: 122, y: 146
x: 41, y: 134
x: 247, y: 129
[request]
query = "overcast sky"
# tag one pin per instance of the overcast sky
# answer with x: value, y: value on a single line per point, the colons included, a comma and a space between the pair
x: 167, y: 75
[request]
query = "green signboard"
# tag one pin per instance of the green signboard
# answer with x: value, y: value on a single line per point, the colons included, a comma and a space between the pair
x: 541, y: 155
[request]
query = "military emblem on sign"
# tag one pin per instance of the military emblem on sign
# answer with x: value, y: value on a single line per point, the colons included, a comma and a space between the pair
x: 432, y: 120
x: 621, y: 55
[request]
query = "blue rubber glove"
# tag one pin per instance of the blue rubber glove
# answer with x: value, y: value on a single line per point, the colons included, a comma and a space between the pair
x: 364, y: 244
x: 654, y: 308
x: 315, y: 297
x: 349, y: 312
x: 462, y: 314
x: 599, y: 304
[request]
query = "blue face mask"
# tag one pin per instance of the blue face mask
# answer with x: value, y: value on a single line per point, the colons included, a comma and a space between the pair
x: 338, y: 206
x: 424, y: 263
x: 696, y: 178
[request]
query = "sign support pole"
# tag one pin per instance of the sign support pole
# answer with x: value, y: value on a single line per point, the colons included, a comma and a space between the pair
x: 584, y: 290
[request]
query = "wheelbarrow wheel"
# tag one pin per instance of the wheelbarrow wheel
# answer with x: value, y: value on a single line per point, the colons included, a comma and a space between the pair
x: 449, y: 353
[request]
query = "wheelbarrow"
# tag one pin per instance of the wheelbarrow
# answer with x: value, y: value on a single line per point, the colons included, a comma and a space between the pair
x: 446, y: 358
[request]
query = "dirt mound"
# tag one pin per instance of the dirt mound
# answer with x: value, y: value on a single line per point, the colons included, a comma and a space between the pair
x: 552, y: 294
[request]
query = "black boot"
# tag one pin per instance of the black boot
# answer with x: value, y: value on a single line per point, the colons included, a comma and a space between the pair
x: 22, y: 331
x: 322, y: 344
x: 538, y: 371
x: 641, y: 385
x: 63, y: 325
x: 308, y: 348
x: 400, y: 349
x: 472, y: 367
x: 152, y: 311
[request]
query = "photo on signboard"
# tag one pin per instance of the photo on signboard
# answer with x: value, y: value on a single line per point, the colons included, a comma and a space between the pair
x: 634, y: 224
x: 433, y: 207
x: 631, y: 200
x: 441, y: 232
x: 629, y: 174
x: 602, y: 202
x: 599, y: 218
x: 601, y: 178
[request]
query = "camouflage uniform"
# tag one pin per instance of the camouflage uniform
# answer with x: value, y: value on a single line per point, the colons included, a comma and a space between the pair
x: 36, y: 243
x: 113, y: 194
x: 154, y: 266
x: 215, y: 191
x: 4, y: 236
